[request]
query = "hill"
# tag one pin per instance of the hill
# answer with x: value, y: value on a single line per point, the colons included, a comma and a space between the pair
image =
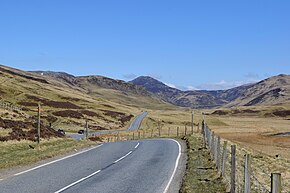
x: 67, y: 102
x: 272, y: 91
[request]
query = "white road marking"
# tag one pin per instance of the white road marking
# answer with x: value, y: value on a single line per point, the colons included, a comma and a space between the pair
x: 137, y: 146
x: 123, y: 157
x: 176, y: 165
x: 40, y: 166
x: 77, y: 182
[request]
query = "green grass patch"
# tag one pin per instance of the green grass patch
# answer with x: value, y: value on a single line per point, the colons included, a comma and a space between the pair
x: 201, y: 175
x: 18, y: 153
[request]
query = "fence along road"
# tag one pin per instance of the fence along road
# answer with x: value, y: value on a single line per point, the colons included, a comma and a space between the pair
x: 131, y: 166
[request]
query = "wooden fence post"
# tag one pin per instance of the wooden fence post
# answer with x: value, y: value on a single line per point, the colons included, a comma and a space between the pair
x: 133, y: 135
x: 143, y: 134
x: 159, y: 131
x: 87, y: 129
x: 215, y: 149
x: 276, y: 184
x: 233, y: 169
x: 168, y: 131
x: 209, y: 137
x: 219, y: 153
x: 151, y: 133
x: 185, y: 130
x: 139, y: 135
x: 247, y: 173
x: 38, y: 125
x: 192, y: 121
x: 177, y: 131
x: 204, y: 137
x: 212, y: 145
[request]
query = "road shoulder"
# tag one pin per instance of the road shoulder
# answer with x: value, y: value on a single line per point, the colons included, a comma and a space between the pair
x: 176, y: 183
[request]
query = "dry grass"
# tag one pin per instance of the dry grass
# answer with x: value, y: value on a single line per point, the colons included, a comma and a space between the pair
x: 254, y: 135
x: 251, y: 133
x: 201, y: 175
x: 15, y: 153
x: 16, y: 89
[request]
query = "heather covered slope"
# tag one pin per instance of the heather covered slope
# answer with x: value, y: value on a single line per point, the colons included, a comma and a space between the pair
x: 66, y: 103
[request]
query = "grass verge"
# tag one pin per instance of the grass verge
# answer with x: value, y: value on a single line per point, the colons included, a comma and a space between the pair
x: 201, y: 175
x: 18, y: 153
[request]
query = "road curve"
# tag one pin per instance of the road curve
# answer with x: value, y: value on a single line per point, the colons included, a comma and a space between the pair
x: 135, y: 125
x: 137, y: 121
x: 121, y: 167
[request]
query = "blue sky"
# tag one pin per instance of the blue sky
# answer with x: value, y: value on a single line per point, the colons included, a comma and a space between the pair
x: 190, y: 44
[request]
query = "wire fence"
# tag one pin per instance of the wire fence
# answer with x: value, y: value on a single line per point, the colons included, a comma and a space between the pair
x: 238, y: 178
x: 234, y: 166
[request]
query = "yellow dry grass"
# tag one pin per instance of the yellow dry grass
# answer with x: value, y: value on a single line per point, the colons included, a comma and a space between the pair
x: 254, y: 135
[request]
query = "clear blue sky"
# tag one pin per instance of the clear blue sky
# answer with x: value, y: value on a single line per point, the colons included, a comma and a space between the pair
x: 191, y: 44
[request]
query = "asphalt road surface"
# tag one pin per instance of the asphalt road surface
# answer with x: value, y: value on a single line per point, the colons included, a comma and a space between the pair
x: 134, y: 126
x: 121, y: 167
x: 137, y: 121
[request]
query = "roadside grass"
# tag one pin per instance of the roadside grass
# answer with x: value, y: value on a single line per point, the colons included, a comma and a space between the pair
x: 201, y: 175
x: 18, y: 153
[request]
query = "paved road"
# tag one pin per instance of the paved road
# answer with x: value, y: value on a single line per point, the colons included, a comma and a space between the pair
x: 121, y: 167
x: 134, y: 126
x: 137, y: 121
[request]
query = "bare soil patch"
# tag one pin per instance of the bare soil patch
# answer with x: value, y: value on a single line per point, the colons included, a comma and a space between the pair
x: 122, y: 117
x: 282, y: 113
x: 69, y: 113
x: 235, y: 112
x: 113, y: 114
x: 55, y: 104
x: 126, y: 119
x: 109, y: 106
x: 71, y: 99
x: 96, y: 138
x: 90, y: 113
x: 30, y: 104
x: 99, y: 128
x: 25, y: 130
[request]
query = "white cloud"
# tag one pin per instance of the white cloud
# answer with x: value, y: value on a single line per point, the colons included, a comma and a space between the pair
x: 191, y: 88
x: 130, y: 76
x: 170, y: 85
x: 223, y: 85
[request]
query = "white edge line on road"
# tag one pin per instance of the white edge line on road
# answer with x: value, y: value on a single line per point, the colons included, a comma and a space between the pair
x: 176, y: 165
x: 123, y: 157
x: 40, y: 166
x: 77, y: 182
x: 137, y: 146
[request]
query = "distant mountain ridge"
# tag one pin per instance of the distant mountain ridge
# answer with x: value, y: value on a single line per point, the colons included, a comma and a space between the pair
x: 272, y: 91
x: 87, y: 82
